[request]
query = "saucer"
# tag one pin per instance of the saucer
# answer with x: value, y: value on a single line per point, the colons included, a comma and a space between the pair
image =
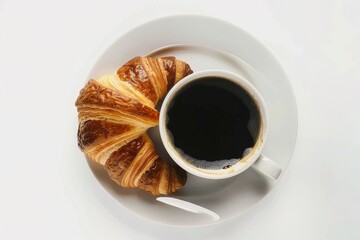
x: 205, y: 43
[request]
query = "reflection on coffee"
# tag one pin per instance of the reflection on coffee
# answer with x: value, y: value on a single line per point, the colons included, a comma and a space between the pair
x: 212, y: 121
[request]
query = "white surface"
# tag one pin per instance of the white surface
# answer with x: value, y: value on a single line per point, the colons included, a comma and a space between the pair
x: 43, y: 47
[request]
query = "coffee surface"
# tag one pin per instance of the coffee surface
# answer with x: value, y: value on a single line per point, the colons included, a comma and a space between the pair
x: 208, y: 120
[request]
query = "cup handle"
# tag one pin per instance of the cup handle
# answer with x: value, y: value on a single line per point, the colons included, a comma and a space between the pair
x: 267, y: 167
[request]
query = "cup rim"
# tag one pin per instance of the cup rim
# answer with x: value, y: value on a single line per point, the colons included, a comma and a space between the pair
x: 246, y: 161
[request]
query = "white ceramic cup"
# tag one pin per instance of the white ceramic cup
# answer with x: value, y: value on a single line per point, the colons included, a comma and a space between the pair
x: 252, y: 157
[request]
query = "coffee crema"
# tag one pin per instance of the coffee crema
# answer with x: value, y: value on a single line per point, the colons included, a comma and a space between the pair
x: 212, y: 121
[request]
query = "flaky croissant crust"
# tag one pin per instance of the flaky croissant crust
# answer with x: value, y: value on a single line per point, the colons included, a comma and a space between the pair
x: 114, y: 113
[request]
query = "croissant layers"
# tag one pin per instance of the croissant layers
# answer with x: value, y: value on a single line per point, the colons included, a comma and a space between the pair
x: 114, y: 113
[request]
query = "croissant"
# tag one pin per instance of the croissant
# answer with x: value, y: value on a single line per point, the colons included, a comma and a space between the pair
x: 114, y: 113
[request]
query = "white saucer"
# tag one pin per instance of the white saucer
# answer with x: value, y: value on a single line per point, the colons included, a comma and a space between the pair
x: 206, y: 43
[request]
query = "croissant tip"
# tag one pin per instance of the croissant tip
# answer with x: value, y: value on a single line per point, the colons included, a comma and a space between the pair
x: 181, y: 173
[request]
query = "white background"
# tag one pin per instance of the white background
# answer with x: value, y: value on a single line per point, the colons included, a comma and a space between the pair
x: 43, y: 47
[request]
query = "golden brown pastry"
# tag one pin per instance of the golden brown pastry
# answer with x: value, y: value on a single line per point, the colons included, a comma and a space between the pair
x: 114, y: 113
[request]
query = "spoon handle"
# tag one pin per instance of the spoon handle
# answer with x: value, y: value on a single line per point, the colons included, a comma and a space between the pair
x: 188, y: 206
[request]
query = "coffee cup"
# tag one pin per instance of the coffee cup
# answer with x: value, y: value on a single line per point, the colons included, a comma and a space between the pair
x: 214, y: 125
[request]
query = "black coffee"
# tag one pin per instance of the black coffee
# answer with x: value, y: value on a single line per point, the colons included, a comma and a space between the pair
x: 209, y: 120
